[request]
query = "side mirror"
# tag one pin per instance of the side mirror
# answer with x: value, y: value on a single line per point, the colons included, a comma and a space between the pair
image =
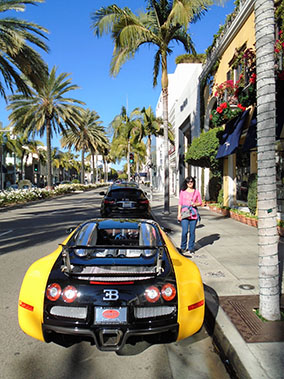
x: 102, y: 193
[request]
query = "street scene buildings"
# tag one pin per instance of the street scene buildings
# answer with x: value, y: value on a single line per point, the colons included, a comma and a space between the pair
x: 221, y: 93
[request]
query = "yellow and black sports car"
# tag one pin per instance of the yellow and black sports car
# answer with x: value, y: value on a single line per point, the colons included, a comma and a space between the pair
x: 112, y: 283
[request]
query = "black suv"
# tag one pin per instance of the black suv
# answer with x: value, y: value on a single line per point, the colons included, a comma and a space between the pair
x: 125, y: 200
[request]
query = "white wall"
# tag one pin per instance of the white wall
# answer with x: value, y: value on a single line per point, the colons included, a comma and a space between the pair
x: 183, y: 104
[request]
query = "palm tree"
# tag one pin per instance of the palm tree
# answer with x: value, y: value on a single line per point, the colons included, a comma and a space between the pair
x: 269, y: 289
x: 66, y: 160
x: 89, y: 134
x: 165, y: 21
x: 151, y: 126
x: 21, y: 147
x: 124, y: 127
x: 17, y: 56
x: 46, y: 111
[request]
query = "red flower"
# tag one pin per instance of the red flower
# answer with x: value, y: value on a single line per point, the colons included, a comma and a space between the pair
x: 221, y: 107
x: 211, y: 117
x: 241, y: 107
x: 252, y: 78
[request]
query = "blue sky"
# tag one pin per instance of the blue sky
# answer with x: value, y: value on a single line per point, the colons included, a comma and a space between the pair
x: 74, y: 49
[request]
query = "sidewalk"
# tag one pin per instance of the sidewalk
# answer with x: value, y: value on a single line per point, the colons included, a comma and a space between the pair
x: 227, y: 257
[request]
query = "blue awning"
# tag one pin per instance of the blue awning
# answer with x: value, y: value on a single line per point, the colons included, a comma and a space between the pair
x: 251, y: 139
x: 231, y: 136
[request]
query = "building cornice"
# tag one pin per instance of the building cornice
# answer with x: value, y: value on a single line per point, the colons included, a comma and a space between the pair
x: 232, y: 29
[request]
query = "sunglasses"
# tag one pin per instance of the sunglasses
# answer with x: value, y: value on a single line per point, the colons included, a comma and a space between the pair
x: 190, y: 181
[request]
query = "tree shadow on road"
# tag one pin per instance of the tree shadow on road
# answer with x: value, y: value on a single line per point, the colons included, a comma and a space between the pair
x: 208, y: 240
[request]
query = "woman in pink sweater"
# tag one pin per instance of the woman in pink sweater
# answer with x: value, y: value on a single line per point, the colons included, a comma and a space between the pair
x: 189, y: 196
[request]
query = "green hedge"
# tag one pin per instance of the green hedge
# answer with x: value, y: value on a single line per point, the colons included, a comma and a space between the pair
x: 203, y: 149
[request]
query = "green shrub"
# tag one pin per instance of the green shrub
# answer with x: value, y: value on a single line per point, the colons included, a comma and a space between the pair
x: 75, y: 181
x: 252, y: 193
x: 220, y: 199
x: 202, y: 152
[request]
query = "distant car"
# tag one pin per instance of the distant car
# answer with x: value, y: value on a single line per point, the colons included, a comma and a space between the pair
x: 112, y: 283
x: 125, y: 200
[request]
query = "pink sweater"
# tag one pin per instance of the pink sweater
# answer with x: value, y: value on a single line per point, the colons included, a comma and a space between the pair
x: 187, y: 198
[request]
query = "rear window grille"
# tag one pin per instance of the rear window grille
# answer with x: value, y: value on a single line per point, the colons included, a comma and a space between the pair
x: 116, y: 273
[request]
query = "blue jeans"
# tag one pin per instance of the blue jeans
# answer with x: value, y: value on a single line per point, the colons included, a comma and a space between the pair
x: 188, y: 226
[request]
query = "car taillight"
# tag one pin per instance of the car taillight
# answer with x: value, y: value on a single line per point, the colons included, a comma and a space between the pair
x: 168, y: 292
x: 152, y: 294
x: 144, y: 201
x: 69, y: 294
x: 53, y: 291
x: 109, y: 201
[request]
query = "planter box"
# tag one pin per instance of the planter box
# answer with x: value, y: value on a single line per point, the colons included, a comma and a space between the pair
x: 225, y: 212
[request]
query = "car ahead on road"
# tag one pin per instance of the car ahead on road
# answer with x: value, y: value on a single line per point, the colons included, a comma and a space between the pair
x: 113, y: 283
x: 125, y: 200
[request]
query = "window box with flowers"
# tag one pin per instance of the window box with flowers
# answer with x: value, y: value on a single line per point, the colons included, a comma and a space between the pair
x: 224, y: 113
x: 234, y: 98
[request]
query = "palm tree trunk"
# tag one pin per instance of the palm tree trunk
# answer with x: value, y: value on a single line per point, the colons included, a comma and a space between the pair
x: 48, y: 146
x: 93, y: 167
x: 149, y: 159
x: 128, y: 162
x: 105, y: 170
x: 97, y: 171
x: 22, y: 166
x: 166, y: 132
x: 269, y: 292
x: 83, y: 165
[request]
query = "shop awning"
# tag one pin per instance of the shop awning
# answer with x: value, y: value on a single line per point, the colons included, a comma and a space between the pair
x: 251, y: 137
x: 231, y: 136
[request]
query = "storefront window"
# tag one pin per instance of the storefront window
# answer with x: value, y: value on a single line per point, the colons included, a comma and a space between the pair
x: 242, y: 175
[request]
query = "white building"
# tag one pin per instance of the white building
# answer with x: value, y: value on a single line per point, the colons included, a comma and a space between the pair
x: 184, y: 110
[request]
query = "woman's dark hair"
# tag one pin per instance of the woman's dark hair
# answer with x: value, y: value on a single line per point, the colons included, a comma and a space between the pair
x: 186, y: 180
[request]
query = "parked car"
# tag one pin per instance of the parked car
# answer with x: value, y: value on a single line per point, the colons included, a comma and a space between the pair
x: 125, y: 200
x: 113, y: 283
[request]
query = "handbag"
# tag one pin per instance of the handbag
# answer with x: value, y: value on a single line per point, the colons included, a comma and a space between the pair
x: 189, y: 213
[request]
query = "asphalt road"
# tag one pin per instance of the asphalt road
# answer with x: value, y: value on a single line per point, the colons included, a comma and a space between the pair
x: 31, y: 232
